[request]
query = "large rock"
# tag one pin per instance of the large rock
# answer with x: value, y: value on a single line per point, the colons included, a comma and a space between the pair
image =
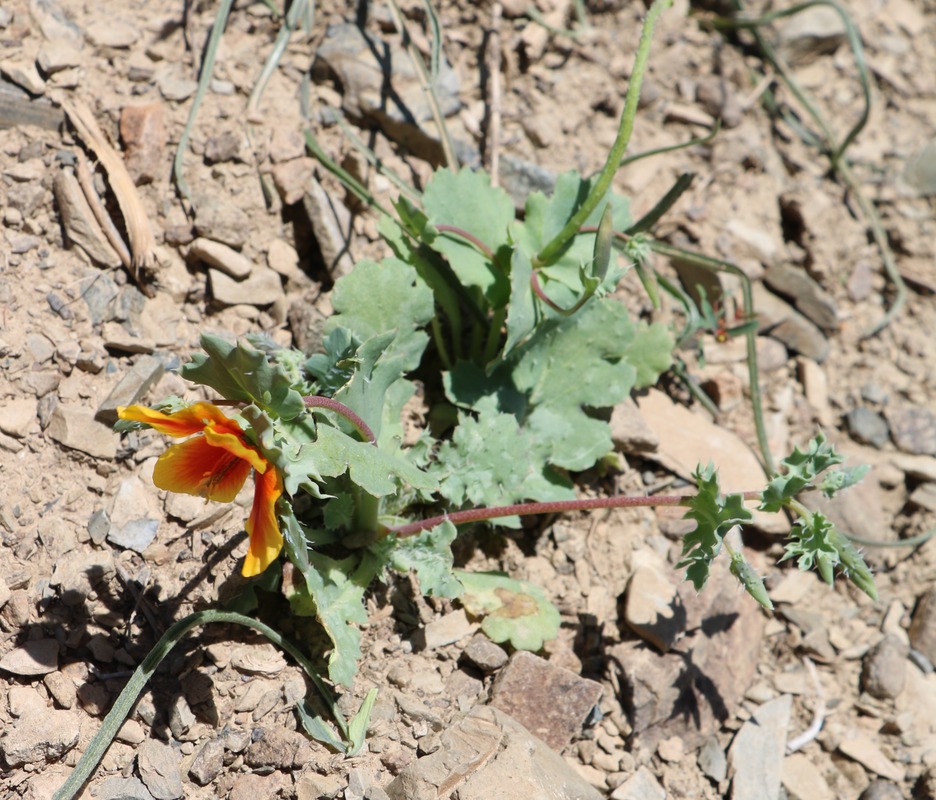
x: 488, y: 755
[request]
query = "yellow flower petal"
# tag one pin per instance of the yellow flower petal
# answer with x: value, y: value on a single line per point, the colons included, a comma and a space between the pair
x: 185, y: 422
x: 234, y: 444
x: 199, y: 468
x: 266, y: 541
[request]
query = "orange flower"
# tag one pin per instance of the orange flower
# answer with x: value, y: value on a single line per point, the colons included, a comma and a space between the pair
x: 215, y: 466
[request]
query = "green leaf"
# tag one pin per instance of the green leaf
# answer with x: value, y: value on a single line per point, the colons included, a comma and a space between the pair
x: 357, y: 728
x: 315, y: 725
x: 241, y: 372
x: 521, y: 308
x: 513, y: 611
x: 378, y: 298
x: 798, y: 471
x: 333, y: 368
x: 429, y: 555
x: 333, y: 592
x: 466, y: 200
x: 837, y: 479
x: 491, y: 461
x: 752, y: 582
x: 715, y: 514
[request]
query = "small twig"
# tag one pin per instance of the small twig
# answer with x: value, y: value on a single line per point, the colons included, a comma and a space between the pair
x: 799, y: 742
x: 495, y: 110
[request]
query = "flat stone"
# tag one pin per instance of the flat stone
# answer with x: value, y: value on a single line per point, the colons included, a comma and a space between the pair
x: 226, y: 146
x: 924, y: 496
x: 133, y: 385
x: 688, y: 439
x: 158, y: 764
x: 712, y: 760
x: 331, y: 224
x: 22, y: 701
x: 884, y: 668
x: 39, y: 737
x: 283, y: 259
x: 286, y: 143
x: 920, y: 467
x: 176, y: 87
x: 756, y: 753
x: 221, y: 257
x: 652, y: 607
x: 923, y: 625
x: 803, y: 337
x: 642, y: 785
x: 809, y: 298
x: 484, y: 654
x: 143, y: 133
x: 859, y: 747
x: 78, y: 575
x: 488, y: 755
x: 24, y: 74
x: 312, y: 786
x: 134, y: 521
x: 815, y: 388
x: 882, y: 790
x: 448, y: 629
x: 867, y: 427
x: 912, y: 429
x: 262, y: 659
x: 275, y: 747
x: 62, y: 689
x: 630, y: 431
x: 264, y: 287
x: 75, y: 427
x: 36, y: 657
x: 58, y: 55
x: 551, y: 702
x: 292, y: 178
x: 121, y: 789
x: 220, y: 219
x: 251, y: 786
x: 18, y: 416
x: 815, y: 32
x: 112, y: 33
x: 131, y: 732
x: 803, y: 780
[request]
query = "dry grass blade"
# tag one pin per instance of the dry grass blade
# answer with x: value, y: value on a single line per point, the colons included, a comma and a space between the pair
x: 142, y: 243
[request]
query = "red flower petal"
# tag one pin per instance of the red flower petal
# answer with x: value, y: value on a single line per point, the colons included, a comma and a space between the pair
x: 199, y: 468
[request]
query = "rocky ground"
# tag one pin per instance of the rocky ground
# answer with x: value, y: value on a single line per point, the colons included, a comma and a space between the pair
x: 696, y: 695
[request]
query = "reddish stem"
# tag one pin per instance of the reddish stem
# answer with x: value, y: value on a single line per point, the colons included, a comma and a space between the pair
x: 555, y: 507
x: 469, y: 237
x: 317, y: 401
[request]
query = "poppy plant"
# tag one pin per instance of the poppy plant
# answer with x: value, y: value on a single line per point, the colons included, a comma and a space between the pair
x: 215, y: 465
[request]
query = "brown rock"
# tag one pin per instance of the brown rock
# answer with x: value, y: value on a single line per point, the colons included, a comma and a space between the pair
x: 551, y: 702
x: 331, y: 224
x: 143, y: 133
x: 75, y: 427
x: 756, y: 754
x: 292, y: 178
x: 208, y: 762
x: 251, y: 787
x: 923, y: 625
x: 484, y: 654
x: 159, y: 768
x: 803, y: 337
x: 37, y: 657
x: 652, y: 607
x: 629, y: 430
x: 221, y: 257
x: 912, y: 429
x: 262, y: 288
x: 274, y: 747
x: 38, y: 737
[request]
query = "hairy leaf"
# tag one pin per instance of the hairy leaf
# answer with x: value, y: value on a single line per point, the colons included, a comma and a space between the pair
x: 429, y: 555
x: 798, y: 471
x: 752, y: 582
x: 242, y: 372
x: 715, y: 514
x: 837, y: 479
x: 511, y: 610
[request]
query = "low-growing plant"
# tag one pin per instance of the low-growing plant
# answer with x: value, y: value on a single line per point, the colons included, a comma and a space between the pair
x: 507, y: 326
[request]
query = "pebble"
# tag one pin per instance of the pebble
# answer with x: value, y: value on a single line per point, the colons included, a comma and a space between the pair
x: 134, y: 523
x: 36, y: 657
x: 81, y: 227
x: 485, y: 655
x: 112, y: 33
x: 275, y: 747
x: 882, y: 790
x: 642, y: 785
x: 24, y: 700
x: 814, y: 32
x: 181, y: 717
x: 551, y: 702
x: 867, y: 427
x: 803, y: 780
x: 331, y: 224
x: 312, y: 786
x: 264, y: 287
x: 757, y: 751
x: 143, y: 133
x: 712, y: 760
x: 251, y: 787
x: 42, y: 382
x: 884, y: 669
x: 924, y: 496
x: 62, y: 689
x: 629, y: 430
x: 809, y: 298
x: 802, y: 337
x: 220, y: 219
x: 283, y: 259
x: 43, y: 736
x: 58, y: 55
x: 292, y: 179
x: 76, y: 576
x: 263, y: 659
x: 207, y: 762
x: 158, y: 764
x: 131, y: 732
x: 176, y: 87
x: 225, y: 146
x: 221, y: 257
x: 923, y: 625
x: 24, y: 74
x: 652, y: 608
x: 913, y: 429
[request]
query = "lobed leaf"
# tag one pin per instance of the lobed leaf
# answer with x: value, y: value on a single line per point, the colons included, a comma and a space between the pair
x: 798, y: 472
x: 429, y: 555
x: 512, y: 611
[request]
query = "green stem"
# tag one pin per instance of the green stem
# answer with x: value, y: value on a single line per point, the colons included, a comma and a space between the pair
x: 554, y: 248
x: 131, y: 692
x: 494, y: 333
